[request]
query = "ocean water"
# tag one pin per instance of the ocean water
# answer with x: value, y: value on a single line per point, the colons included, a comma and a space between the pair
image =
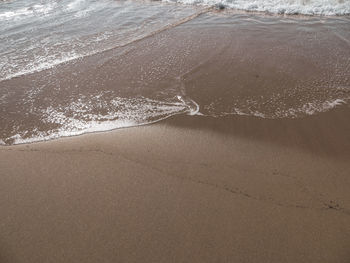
x: 37, y: 35
x: 71, y: 67
x: 292, y: 7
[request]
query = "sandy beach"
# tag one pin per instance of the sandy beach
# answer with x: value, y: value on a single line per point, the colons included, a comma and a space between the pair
x: 189, y: 189
x: 233, y: 139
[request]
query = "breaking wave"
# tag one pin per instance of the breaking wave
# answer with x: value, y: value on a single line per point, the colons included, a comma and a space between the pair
x: 289, y: 7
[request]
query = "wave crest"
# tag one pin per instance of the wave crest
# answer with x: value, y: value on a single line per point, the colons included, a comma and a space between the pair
x: 289, y: 7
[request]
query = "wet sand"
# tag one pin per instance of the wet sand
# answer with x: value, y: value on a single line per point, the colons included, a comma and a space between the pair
x: 189, y: 189
x: 227, y: 64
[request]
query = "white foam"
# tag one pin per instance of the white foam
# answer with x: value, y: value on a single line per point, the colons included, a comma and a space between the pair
x: 75, y: 4
x: 309, y: 108
x: 42, y: 64
x: 47, y: 52
x: 80, y: 8
x: 304, y: 7
x: 193, y: 107
x: 312, y: 108
x: 12, y: 14
x: 89, y: 127
x: 37, y: 9
x: 77, y: 118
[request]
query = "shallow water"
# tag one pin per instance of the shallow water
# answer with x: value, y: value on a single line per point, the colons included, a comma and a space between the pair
x: 38, y: 35
x: 71, y: 67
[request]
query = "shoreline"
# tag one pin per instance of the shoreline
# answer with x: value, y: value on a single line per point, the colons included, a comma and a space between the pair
x: 237, y: 188
x: 333, y: 121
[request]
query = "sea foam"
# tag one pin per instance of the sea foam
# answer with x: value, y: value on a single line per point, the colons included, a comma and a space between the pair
x: 78, y: 117
x: 291, y: 7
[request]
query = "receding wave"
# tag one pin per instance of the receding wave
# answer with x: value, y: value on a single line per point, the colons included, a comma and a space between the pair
x: 80, y: 117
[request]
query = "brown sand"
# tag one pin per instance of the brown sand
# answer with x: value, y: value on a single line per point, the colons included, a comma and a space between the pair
x: 190, y: 189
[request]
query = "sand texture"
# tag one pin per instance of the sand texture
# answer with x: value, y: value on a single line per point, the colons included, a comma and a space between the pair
x: 190, y: 189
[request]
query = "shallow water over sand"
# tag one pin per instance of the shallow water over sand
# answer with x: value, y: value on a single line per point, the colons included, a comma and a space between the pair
x: 167, y: 60
x: 36, y: 36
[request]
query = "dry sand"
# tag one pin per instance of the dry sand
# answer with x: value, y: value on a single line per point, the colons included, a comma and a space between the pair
x: 189, y: 189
